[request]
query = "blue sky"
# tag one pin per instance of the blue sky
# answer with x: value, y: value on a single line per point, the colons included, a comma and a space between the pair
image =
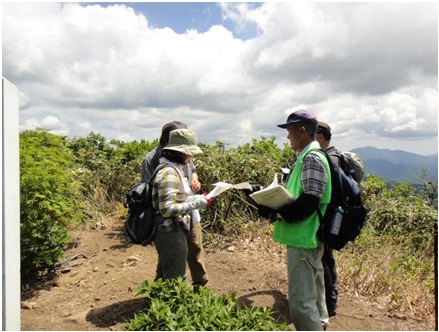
x: 182, y: 16
x: 231, y: 71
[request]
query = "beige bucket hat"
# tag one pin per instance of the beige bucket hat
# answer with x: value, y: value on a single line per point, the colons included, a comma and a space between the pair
x: 184, y: 141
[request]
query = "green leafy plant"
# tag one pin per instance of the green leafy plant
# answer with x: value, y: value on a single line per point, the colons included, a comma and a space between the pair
x: 49, y: 202
x: 172, y: 305
x: 402, y: 214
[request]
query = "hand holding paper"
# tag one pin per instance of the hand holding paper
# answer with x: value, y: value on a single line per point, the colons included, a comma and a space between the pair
x: 209, y: 200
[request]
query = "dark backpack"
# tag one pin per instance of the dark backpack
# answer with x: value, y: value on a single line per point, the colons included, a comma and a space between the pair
x: 345, y: 215
x: 139, y: 224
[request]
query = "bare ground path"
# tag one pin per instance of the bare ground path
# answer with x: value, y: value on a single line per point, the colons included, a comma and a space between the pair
x: 94, y: 289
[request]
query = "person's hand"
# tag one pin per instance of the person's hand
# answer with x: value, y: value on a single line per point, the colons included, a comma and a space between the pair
x: 266, y: 212
x: 209, y: 200
x: 198, y: 202
x: 255, y: 187
x: 195, y: 186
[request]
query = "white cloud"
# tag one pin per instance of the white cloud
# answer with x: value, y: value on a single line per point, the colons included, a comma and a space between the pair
x: 85, y: 125
x: 29, y: 124
x: 51, y: 122
x: 369, y: 69
x: 125, y: 137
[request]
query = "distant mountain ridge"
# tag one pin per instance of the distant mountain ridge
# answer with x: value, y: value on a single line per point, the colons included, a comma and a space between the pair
x: 397, y: 165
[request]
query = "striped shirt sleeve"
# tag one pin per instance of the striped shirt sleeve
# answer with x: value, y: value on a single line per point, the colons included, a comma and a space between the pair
x: 314, y: 176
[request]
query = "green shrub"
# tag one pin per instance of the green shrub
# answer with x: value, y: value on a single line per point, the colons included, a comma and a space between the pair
x: 400, y: 213
x: 112, y: 166
x: 172, y: 305
x: 49, y: 202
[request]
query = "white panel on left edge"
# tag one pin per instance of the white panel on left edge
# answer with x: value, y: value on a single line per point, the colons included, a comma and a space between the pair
x: 10, y: 208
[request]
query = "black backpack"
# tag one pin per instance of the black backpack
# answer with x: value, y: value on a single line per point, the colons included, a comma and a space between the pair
x: 345, y: 215
x: 139, y: 224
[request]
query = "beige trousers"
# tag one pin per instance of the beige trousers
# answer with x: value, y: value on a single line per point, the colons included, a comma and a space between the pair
x: 195, y: 258
x: 306, y: 288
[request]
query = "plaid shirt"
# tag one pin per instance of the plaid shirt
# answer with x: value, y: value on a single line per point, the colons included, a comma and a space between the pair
x: 170, y: 194
x: 314, y: 177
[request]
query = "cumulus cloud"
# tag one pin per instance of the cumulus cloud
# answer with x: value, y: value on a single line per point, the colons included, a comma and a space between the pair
x: 369, y: 69
x: 50, y: 123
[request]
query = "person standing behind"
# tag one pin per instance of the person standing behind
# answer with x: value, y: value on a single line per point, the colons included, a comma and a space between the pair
x: 171, y: 197
x: 331, y: 280
x: 310, y: 184
x: 195, y: 241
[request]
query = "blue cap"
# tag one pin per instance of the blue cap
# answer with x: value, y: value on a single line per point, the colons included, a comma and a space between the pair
x: 300, y: 116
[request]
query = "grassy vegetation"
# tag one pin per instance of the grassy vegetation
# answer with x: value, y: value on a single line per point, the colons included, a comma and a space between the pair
x: 385, y: 271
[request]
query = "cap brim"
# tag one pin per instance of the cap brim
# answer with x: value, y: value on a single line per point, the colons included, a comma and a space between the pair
x: 283, y: 126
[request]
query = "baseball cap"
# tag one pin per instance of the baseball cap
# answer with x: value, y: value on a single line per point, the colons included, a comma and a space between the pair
x: 300, y: 116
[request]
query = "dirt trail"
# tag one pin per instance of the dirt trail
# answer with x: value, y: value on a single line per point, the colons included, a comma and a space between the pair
x: 95, y: 288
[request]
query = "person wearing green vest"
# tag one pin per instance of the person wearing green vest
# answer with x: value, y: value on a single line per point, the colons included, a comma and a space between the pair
x: 297, y: 225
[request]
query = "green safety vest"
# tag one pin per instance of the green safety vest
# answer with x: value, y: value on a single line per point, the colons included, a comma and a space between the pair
x: 303, y: 233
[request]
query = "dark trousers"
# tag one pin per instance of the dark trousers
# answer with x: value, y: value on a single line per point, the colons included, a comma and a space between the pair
x: 171, y: 246
x: 331, y: 280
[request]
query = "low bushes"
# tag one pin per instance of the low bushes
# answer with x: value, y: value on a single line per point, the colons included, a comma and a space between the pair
x: 172, y: 305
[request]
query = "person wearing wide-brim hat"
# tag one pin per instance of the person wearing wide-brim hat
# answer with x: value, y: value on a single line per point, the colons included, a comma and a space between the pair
x: 196, y: 252
x: 172, y: 199
x: 184, y: 141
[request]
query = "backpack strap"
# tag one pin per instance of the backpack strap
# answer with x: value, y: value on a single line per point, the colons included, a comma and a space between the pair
x: 160, y: 167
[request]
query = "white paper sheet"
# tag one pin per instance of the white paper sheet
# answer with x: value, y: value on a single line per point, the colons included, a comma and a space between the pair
x: 274, y: 183
x: 223, y: 186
